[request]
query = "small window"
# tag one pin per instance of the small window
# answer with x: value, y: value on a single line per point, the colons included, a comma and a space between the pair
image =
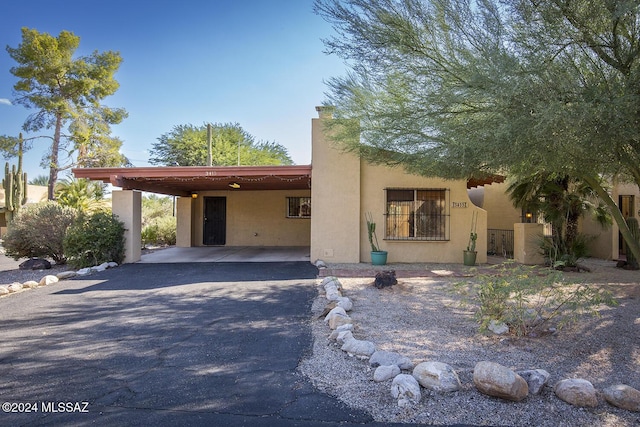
x: 298, y: 207
x: 416, y: 214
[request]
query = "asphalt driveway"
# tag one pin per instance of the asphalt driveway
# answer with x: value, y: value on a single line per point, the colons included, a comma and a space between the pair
x: 165, y: 344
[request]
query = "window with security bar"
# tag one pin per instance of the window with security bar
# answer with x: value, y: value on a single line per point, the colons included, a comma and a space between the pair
x: 298, y: 207
x: 417, y: 214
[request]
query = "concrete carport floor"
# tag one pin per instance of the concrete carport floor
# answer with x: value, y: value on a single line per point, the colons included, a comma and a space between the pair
x: 215, y: 344
x: 228, y: 254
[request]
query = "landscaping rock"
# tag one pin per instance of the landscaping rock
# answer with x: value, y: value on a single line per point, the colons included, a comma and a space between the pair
x: 48, y: 280
x: 337, y: 317
x: 406, y: 389
x: 437, y: 376
x: 536, y: 379
x: 320, y: 264
x: 30, y: 284
x: 342, y: 328
x: 577, y: 392
x: 343, y: 337
x: 623, y: 396
x: 84, y: 271
x: 35, y: 264
x: 15, y: 287
x: 498, y: 328
x: 101, y: 267
x: 330, y: 279
x: 496, y: 380
x: 345, y: 303
x: 382, y: 358
x: 358, y: 347
x: 383, y: 373
x: 66, y: 275
x: 4, y: 290
x: 385, y: 279
x: 112, y: 264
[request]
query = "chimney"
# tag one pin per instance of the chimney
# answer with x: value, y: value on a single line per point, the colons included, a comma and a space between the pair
x: 325, y: 111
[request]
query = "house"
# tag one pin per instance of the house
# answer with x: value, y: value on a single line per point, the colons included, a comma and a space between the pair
x: 321, y: 206
x: 606, y: 243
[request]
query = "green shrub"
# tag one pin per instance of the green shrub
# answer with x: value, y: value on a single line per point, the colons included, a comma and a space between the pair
x: 94, y: 239
x: 39, y: 231
x: 528, y: 299
x: 160, y: 231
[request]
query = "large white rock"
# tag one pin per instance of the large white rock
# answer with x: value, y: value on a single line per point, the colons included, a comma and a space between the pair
x: 345, y: 303
x: 3, y: 290
x: 437, y: 376
x: 623, y: 396
x: 342, y: 328
x: 406, y: 389
x: 332, y: 293
x: 383, y: 373
x: 337, y: 317
x: 112, y: 264
x: 381, y: 358
x: 30, y: 284
x: 331, y: 279
x: 496, y: 380
x: 343, y: 337
x: 48, y: 280
x: 15, y: 287
x: 358, y: 347
x: 577, y: 392
x: 101, y: 267
x: 84, y: 271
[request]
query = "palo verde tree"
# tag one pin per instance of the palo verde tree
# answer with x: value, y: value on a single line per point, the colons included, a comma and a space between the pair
x: 66, y: 93
x: 462, y: 88
x: 187, y: 145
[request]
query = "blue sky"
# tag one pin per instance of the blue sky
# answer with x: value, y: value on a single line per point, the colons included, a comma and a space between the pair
x: 256, y: 62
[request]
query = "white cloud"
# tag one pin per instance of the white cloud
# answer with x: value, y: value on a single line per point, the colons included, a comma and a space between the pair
x: 5, y: 101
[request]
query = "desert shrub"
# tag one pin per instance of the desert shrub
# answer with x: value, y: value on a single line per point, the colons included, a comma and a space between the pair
x: 39, y: 231
x: 530, y: 299
x: 93, y: 239
x: 561, y: 257
x: 160, y: 231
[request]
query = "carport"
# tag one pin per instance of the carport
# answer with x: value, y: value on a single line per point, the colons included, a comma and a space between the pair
x: 233, y: 207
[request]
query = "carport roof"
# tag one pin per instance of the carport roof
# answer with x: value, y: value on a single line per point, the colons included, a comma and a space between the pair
x: 186, y: 180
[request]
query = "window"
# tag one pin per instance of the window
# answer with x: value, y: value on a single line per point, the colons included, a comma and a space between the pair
x: 298, y: 207
x: 417, y: 215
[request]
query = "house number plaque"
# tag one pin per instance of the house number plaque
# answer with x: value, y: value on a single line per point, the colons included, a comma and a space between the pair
x: 459, y: 204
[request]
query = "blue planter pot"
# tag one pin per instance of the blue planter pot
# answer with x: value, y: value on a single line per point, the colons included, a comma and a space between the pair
x: 378, y: 257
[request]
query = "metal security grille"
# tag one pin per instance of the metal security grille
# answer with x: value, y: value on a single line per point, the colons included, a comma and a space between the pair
x: 500, y: 242
x: 298, y: 207
x: 417, y: 214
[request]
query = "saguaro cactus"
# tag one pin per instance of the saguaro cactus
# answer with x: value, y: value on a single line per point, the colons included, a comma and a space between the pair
x: 632, y: 223
x: 15, y: 186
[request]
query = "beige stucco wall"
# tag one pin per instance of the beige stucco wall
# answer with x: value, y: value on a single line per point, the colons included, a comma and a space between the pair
x: 374, y: 181
x: 501, y: 214
x: 526, y: 244
x: 335, y: 199
x: 255, y: 218
x: 344, y: 188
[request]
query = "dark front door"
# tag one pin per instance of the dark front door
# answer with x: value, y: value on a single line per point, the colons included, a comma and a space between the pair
x: 215, y: 220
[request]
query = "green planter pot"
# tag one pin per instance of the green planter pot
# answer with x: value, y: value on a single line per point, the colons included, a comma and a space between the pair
x: 469, y: 257
x: 378, y: 257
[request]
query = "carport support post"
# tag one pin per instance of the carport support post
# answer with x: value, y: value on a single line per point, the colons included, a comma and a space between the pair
x: 127, y: 205
x: 183, y: 222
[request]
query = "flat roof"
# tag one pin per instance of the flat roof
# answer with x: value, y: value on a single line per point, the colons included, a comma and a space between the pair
x: 186, y: 180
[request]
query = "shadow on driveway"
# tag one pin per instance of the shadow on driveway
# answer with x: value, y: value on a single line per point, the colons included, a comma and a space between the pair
x: 205, y: 344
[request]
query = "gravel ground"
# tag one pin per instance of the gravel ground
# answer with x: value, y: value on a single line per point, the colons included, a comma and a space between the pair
x: 422, y: 319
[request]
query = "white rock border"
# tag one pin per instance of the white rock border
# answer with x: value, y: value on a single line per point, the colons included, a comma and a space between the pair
x: 619, y: 395
x: 50, y: 279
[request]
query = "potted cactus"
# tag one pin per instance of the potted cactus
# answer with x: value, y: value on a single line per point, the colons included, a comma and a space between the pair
x: 469, y: 254
x: 378, y: 257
